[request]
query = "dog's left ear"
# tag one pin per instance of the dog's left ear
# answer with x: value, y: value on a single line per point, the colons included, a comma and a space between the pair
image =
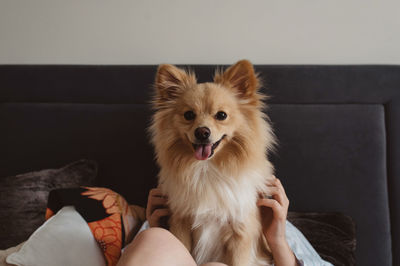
x: 241, y: 78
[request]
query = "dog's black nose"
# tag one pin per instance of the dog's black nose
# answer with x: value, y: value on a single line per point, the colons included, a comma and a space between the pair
x: 202, y: 133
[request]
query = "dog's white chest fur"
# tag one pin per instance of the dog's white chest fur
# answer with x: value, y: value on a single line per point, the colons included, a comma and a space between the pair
x: 207, y: 193
x: 215, y: 203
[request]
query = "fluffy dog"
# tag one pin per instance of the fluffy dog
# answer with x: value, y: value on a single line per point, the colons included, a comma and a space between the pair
x: 211, y: 141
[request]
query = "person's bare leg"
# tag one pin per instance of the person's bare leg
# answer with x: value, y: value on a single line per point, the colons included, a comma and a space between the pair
x: 156, y: 246
x: 213, y: 264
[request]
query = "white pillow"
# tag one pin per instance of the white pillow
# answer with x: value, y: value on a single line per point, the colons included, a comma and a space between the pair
x: 65, y: 239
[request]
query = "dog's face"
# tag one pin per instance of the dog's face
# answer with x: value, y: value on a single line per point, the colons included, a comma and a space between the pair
x: 206, y: 117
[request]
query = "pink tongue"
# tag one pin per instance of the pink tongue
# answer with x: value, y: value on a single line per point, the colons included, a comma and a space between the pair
x: 203, y: 152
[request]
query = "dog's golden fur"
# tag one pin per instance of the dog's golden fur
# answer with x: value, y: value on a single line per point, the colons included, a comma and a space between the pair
x: 213, y: 200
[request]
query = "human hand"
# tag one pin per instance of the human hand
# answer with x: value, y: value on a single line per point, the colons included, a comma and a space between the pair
x: 157, y: 210
x: 273, y: 213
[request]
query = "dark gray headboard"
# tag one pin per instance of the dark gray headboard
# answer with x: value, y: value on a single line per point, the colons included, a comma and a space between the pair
x: 338, y: 129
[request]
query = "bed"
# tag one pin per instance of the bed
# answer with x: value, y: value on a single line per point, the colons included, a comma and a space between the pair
x: 338, y: 129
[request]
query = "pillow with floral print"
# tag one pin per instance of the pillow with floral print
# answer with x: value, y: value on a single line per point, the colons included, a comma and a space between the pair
x: 108, y: 215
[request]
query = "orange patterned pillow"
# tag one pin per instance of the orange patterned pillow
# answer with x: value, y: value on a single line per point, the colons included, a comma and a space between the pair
x: 107, y: 213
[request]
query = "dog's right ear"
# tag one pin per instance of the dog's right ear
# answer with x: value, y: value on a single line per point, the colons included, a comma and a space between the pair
x: 172, y: 81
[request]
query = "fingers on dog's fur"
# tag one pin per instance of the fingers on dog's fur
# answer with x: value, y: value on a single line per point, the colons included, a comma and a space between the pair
x: 156, y: 192
x: 282, y: 193
x: 282, y: 199
x: 161, y: 213
x: 156, y: 203
x: 276, y: 207
x: 272, y: 190
x: 155, y: 199
x: 277, y: 191
x: 154, y: 218
x: 269, y: 203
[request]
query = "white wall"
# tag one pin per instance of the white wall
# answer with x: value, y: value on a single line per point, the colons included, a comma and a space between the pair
x: 202, y: 31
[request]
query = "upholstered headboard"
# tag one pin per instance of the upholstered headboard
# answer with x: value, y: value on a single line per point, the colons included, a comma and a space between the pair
x: 338, y: 129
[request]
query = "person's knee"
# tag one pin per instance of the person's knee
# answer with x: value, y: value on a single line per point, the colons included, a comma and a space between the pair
x: 154, y: 234
x: 148, y: 240
x: 214, y: 264
x: 155, y: 245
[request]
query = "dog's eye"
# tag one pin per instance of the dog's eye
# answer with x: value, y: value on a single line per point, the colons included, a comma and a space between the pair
x: 221, y: 115
x: 189, y: 115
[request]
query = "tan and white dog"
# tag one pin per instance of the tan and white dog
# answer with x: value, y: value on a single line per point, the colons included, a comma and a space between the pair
x: 211, y: 142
